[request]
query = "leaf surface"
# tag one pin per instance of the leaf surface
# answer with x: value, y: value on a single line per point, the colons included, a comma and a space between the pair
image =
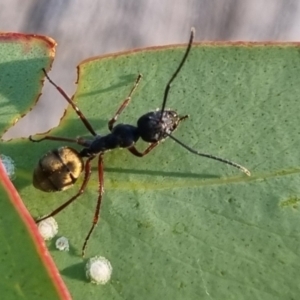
x: 175, y: 225
x: 22, y: 58
x: 27, y: 269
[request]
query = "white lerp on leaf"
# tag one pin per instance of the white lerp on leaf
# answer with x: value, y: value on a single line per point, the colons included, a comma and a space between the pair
x: 62, y: 244
x: 48, y: 228
x: 9, y: 166
x: 98, y: 270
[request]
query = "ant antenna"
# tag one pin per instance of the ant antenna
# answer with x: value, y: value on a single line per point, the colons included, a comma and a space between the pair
x: 177, y: 71
x: 228, y: 162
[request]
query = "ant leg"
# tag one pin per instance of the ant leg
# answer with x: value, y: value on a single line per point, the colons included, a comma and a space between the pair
x: 87, y: 175
x: 136, y: 152
x: 124, y: 104
x: 182, y: 119
x: 71, y: 102
x: 97, y: 210
x: 79, y: 141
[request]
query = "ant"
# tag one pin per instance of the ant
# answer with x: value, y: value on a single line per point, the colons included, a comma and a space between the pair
x: 59, y: 169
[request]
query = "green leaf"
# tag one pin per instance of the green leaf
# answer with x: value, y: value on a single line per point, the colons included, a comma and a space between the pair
x: 23, y: 274
x: 22, y: 58
x: 27, y: 269
x: 175, y: 225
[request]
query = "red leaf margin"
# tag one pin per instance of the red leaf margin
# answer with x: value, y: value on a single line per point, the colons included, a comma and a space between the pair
x: 36, y: 237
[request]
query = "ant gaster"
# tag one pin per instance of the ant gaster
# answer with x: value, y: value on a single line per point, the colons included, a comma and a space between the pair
x: 59, y: 169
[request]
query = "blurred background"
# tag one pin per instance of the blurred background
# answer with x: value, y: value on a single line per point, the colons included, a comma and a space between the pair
x: 95, y: 27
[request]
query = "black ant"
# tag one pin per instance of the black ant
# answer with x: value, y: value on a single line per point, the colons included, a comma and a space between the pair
x: 59, y: 169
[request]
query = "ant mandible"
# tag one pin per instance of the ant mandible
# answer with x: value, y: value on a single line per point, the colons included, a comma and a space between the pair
x: 59, y: 169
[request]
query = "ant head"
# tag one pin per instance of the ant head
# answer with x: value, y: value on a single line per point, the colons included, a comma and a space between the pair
x: 157, y: 125
x: 154, y: 126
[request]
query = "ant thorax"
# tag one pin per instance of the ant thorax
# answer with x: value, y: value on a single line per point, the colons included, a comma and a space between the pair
x: 154, y: 126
